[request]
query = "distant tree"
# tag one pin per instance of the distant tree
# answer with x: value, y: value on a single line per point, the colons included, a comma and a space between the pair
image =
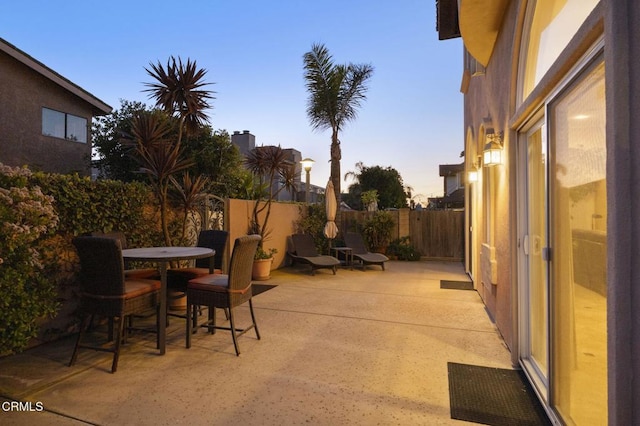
x: 217, y: 158
x: 211, y: 151
x: 111, y: 136
x: 387, y: 181
x: 336, y: 92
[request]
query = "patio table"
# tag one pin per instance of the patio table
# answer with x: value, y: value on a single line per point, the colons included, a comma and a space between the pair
x: 162, y: 256
x: 347, y: 253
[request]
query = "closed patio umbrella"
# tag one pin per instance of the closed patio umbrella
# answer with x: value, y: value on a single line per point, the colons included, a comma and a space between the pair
x: 330, y: 228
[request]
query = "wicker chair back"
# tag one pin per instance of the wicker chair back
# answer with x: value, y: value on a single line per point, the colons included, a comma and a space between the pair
x: 214, y: 239
x: 241, y: 264
x: 101, y: 265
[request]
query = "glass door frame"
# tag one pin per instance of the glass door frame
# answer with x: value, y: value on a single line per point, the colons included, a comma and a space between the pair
x: 540, y: 381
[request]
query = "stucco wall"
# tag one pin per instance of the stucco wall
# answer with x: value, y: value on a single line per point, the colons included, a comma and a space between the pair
x: 281, y: 225
x: 23, y: 93
x: 622, y: 59
x: 491, y: 95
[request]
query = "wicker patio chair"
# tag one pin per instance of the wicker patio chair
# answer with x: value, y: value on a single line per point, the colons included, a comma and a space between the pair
x: 304, y: 251
x: 178, y: 278
x: 106, y: 292
x: 225, y: 291
x: 360, y: 252
x: 150, y: 273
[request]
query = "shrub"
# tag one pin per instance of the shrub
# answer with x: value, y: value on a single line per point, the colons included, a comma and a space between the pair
x: 40, y: 213
x: 27, y: 293
x: 403, y: 250
x: 312, y: 222
x: 378, y: 230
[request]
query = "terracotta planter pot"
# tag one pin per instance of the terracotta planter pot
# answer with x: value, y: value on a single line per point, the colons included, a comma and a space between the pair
x: 177, y: 301
x: 261, y: 269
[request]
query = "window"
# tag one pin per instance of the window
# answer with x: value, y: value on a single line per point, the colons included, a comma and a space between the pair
x: 554, y: 23
x: 64, y: 126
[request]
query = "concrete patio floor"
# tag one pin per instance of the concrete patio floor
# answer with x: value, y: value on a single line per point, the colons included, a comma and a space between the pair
x: 358, y: 348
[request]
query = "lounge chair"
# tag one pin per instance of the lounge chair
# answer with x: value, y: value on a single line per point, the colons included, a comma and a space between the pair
x: 304, y: 251
x: 360, y: 252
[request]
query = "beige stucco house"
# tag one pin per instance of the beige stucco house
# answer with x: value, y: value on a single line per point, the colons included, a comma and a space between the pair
x: 45, y: 119
x: 551, y: 100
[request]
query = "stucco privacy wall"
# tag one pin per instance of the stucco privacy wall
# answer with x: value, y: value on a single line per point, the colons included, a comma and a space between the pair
x: 281, y: 225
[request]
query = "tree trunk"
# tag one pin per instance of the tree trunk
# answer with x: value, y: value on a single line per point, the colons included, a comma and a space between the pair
x: 336, y: 156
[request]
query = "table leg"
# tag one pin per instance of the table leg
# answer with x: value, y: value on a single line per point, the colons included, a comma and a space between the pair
x: 162, y: 315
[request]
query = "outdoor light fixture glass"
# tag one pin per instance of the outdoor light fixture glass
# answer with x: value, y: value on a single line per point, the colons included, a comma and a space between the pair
x: 306, y: 164
x: 492, y: 153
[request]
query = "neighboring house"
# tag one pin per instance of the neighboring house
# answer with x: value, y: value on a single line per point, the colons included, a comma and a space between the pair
x: 454, y: 178
x: 246, y: 141
x: 45, y: 119
x: 551, y: 98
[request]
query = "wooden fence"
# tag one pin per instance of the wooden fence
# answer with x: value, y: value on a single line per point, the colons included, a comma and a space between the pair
x: 437, y: 234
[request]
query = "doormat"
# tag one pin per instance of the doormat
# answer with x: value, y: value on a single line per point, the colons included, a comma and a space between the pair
x: 456, y: 285
x: 261, y: 288
x: 493, y: 396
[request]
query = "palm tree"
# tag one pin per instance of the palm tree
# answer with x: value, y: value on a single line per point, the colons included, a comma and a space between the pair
x: 336, y: 92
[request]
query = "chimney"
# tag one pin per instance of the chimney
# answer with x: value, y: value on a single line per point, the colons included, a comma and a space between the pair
x: 245, y: 141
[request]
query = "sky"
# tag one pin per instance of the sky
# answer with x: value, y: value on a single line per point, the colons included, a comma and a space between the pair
x: 252, y: 50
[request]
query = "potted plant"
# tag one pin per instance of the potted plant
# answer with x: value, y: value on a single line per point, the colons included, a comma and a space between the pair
x: 262, y: 264
x: 378, y: 231
x: 272, y: 173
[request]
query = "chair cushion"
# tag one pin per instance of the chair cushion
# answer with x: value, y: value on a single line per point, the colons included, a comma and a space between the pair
x: 138, y: 287
x: 210, y: 282
x: 190, y: 273
x: 146, y: 273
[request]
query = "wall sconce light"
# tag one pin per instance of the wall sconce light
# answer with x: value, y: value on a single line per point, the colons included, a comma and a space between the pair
x: 472, y: 171
x: 492, y: 153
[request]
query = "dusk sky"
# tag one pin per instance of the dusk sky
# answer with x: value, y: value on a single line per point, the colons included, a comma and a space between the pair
x: 252, y: 50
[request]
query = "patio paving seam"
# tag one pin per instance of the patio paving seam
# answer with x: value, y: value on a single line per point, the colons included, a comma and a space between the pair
x: 493, y: 331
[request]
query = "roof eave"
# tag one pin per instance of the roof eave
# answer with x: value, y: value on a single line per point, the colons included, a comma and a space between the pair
x: 480, y: 22
x: 99, y: 107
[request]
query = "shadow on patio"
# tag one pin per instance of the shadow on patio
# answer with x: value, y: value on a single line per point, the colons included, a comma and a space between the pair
x: 360, y: 347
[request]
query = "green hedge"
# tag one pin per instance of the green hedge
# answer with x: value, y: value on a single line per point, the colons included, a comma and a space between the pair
x: 40, y: 214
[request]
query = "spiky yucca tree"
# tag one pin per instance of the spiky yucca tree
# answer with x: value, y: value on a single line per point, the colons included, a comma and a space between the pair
x: 273, y: 173
x: 178, y: 91
x: 160, y: 158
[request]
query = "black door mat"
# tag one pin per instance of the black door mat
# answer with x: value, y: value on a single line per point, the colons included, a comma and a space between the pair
x: 493, y: 396
x: 261, y: 288
x: 456, y: 285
